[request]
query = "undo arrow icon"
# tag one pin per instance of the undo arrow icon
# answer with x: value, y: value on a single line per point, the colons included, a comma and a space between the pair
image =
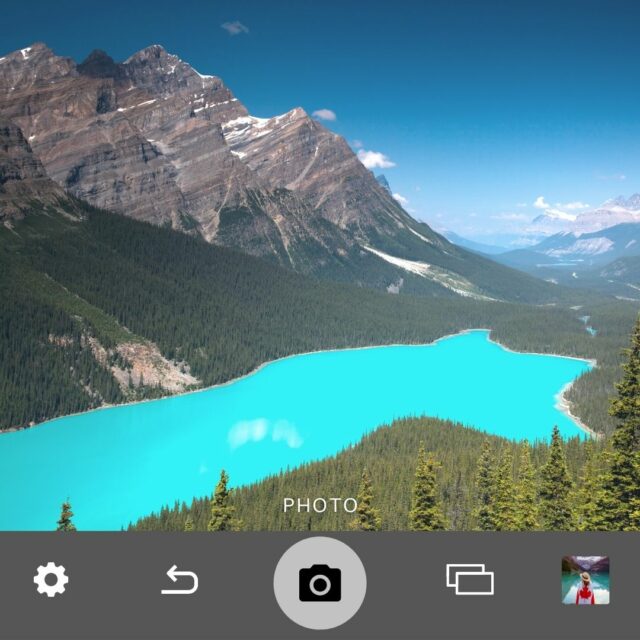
x: 174, y: 574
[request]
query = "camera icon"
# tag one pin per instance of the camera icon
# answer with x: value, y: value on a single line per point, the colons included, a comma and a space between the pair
x: 320, y: 583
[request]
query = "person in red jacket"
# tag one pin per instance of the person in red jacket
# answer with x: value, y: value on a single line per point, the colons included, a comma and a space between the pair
x: 585, y: 593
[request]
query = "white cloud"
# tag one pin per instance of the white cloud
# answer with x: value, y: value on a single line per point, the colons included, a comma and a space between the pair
x: 401, y: 199
x: 374, y: 159
x: 234, y: 28
x: 325, y: 114
x: 540, y: 203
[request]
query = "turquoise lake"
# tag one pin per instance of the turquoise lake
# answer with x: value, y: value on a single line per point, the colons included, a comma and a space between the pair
x: 120, y: 463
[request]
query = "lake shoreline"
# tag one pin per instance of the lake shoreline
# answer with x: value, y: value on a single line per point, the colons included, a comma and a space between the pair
x: 562, y: 404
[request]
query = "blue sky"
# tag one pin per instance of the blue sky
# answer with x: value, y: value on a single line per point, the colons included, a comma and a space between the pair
x: 481, y: 106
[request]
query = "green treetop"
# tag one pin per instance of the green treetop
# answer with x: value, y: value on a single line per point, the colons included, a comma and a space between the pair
x: 222, y: 513
x: 426, y: 512
x: 526, y: 492
x: 484, y: 489
x: 504, y: 502
x: 367, y: 518
x: 188, y: 524
x: 623, y: 479
x: 65, y: 523
x: 556, y: 513
x: 590, y: 486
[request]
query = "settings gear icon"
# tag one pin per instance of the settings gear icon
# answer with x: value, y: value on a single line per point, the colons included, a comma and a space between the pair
x: 57, y: 586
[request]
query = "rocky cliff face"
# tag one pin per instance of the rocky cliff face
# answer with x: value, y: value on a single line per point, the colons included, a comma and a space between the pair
x: 155, y: 140
x: 144, y: 138
x: 295, y: 152
x: 24, y: 183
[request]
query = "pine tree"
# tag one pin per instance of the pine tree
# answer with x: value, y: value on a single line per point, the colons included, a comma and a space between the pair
x: 426, y: 513
x: 188, y: 524
x: 622, y: 482
x: 526, y: 493
x: 458, y: 511
x: 556, y: 513
x: 65, y: 523
x: 367, y: 518
x: 484, y: 489
x: 588, y: 495
x: 504, y: 503
x: 222, y: 513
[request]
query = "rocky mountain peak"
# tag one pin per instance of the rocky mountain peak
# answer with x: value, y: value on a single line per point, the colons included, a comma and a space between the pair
x: 33, y: 52
x: 99, y: 64
x: 157, y: 70
x: 381, y: 179
x: 33, y: 65
x: 632, y: 203
x: 152, y: 52
x: 154, y: 139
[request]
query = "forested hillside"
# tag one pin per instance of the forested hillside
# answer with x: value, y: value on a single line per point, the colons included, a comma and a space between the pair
x: 68, y: 286
x: 389, y: 455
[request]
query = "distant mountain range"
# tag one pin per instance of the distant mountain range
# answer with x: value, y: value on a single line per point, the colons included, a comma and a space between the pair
x: 478, y: 247
x: 579, y: 250
x: 607, y: 261
x: 153, y: 139
x: 613, y: 212
x: 578, y: 564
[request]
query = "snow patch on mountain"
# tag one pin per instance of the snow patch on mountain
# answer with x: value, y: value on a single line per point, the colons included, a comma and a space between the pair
x: 440, y: 276
x: 412, y: 266
x: 415, y: 233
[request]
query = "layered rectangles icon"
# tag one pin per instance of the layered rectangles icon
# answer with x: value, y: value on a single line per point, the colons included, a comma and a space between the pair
x: 470, y: 579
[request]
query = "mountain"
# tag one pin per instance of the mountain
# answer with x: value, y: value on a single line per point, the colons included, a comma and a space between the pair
x: 613, y: 212
x: 581, y: 256
x: 24, y: 184
x: 153, y: 139
x: 578, y: 564
x: 143, y: 138
x: 472, y: 245
x: 593, y: 248
x: 607, y: 261
x: 383, y: 182
x: 620, y: 278
x: 630, y: 204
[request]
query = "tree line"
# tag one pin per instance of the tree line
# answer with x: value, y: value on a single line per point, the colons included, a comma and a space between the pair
x: 224, y: 313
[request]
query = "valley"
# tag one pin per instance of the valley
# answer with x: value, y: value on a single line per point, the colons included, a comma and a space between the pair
x: 187, y: 287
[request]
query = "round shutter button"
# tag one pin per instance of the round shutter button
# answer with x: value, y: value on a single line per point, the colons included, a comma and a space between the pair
x: 320, y: 583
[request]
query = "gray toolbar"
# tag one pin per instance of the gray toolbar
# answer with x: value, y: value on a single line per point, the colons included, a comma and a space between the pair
x: 183, y: 586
